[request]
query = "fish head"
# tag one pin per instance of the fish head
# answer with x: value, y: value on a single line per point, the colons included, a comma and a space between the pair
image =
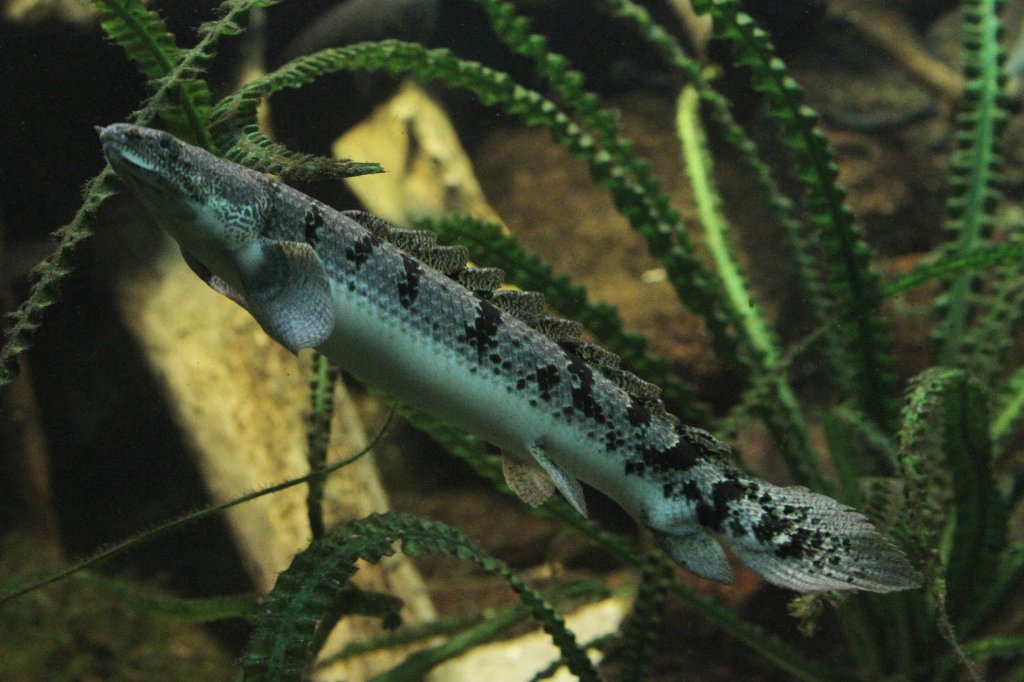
x: 197, y: 197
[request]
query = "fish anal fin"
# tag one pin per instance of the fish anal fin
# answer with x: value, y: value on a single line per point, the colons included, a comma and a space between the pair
x: 698, y: 552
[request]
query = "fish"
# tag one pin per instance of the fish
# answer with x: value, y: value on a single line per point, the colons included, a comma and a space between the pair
x: 409, y: 316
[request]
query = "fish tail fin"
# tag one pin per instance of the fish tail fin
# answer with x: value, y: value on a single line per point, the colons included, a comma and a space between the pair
x: 809, y: 542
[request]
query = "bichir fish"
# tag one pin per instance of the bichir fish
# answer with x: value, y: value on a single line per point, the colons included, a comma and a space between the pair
x: 409, y: 316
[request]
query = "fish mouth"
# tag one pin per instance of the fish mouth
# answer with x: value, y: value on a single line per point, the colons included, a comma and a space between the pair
x: 117, y: 131
x: 119, y: 142
x: 113, y: 138
x: 118, y: 145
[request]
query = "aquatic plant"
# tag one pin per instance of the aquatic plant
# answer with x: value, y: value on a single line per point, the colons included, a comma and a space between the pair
x: 922, y: 469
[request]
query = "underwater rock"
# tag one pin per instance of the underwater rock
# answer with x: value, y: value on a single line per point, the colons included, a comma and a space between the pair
x: 428, y: 171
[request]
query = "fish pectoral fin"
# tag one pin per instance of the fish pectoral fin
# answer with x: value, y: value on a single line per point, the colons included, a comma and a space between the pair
x: 570, y: 488
x: 527, y: 480
x: 287, y: 291
x: 213, y: 281
x: 698, y: 552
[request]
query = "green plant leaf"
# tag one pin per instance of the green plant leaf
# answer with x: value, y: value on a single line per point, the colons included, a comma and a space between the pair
x: 250, y: 147
x: 975, y: 166
x: 642, y: 630
x: 280, y: 647
x: 944, y: 453
x: 147, y: 42
x: 780, y: 408
x: 779, y: 208
x: 195, y: 610
x: 318, y: 436
x: 864, y: 335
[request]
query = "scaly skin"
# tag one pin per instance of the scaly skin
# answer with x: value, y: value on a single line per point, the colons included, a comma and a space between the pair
x: 316, y: 277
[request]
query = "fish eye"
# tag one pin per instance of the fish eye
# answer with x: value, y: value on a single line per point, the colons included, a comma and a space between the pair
x: 164, y: 143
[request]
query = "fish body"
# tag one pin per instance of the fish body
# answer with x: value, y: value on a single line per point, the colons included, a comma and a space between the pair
x: 408, y: 316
